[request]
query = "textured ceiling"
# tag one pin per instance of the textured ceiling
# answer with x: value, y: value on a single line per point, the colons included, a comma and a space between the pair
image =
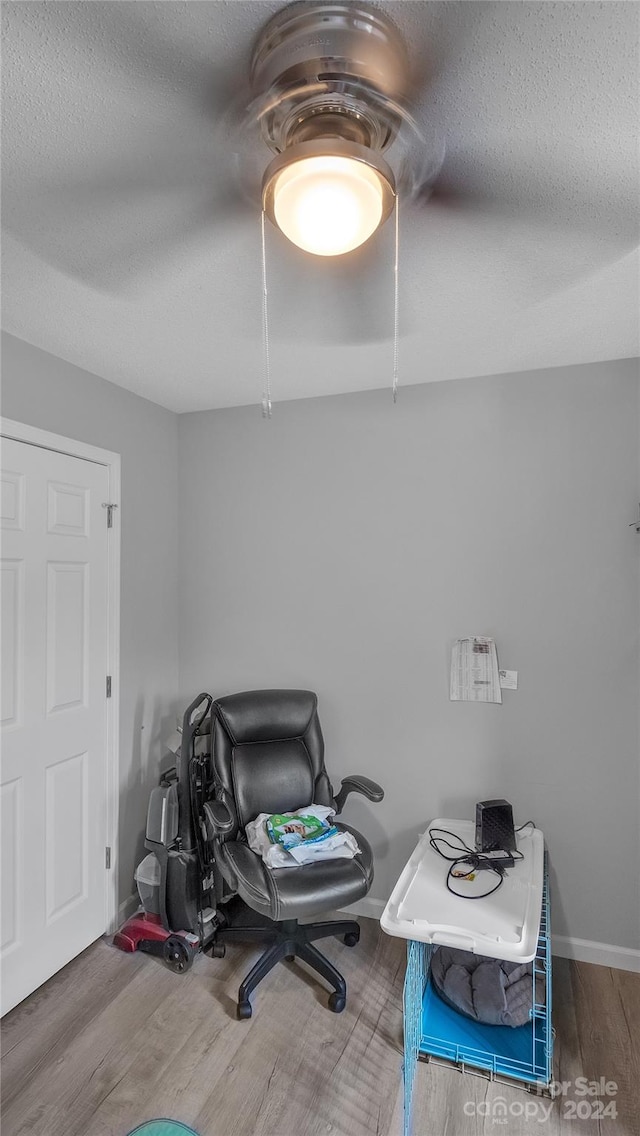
x: 121, y: 252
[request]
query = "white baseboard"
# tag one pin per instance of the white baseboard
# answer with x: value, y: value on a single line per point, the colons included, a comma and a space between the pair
x: 603, y: 954
x: 366, y: 908
x: 582, y: 950
x: 127, y: 909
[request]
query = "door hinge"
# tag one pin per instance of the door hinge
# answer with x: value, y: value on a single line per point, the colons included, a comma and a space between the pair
x: 108, y: 686
x: 107, y: 857
x: 109, y: 507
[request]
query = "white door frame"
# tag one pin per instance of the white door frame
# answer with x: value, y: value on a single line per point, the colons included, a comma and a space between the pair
x: 33, y: 436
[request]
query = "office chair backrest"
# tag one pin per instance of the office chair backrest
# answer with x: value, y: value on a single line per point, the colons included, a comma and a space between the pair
x: 268, y: 753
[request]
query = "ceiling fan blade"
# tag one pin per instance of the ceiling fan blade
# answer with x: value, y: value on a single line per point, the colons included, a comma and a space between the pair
x: 615, y: 214
x: 438, y: 35
x: 554, y: 239
x: 343, y: 300
x: 154, y: 227
x: 167, y: 47
x: 103, y: 226
x: 538, y: 172
x: 100, y: 225
x: 526, y: 258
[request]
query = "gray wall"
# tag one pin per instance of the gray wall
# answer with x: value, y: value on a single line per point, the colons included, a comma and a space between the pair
x: 44, y: 391
x: 345, y: 544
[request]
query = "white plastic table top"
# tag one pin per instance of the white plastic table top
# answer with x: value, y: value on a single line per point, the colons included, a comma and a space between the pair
x: 505, y: 925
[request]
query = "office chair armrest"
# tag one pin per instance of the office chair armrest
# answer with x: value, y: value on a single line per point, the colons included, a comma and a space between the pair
x: 218, y: 818
x: 355, y: 783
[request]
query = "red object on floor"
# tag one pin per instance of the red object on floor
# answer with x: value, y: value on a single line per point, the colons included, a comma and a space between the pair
x: 138, y: 927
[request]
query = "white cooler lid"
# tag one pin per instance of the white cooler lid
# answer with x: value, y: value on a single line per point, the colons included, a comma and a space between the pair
x: 505, y: 925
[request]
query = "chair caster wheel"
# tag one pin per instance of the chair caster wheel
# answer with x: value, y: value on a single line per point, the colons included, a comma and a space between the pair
x: 244, y: 1010
x: 289, y: 958
x: 218, y: 950
x: 352, y: 938
x: 337, y: 1002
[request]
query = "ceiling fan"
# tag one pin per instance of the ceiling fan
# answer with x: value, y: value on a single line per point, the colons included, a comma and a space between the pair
x: 324, y: 136
x: 330, y: 88
x: 330, y: 83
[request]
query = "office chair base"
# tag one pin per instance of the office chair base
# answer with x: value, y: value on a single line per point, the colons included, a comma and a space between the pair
x: 288, y: 940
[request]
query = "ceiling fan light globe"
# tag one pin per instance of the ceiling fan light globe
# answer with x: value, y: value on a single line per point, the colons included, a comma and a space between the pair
x: 329, y: 204
x: 326, y: 216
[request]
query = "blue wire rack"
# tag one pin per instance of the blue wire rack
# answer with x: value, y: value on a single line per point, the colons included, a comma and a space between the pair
x: 432, y: 1029
x: 418, y: 955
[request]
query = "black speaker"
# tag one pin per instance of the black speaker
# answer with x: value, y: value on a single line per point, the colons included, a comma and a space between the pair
x: 494, y: 827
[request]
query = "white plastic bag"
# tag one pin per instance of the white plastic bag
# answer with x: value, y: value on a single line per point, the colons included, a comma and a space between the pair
x: 341, y: 846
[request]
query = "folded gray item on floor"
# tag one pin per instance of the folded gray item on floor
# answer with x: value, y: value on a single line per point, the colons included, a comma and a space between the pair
x: 491, y: 991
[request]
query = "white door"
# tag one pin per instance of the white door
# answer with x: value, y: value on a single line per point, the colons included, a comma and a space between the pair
x: 54, y: 651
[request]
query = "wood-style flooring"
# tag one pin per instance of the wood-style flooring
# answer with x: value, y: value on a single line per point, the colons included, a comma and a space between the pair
x: 115, y: 1039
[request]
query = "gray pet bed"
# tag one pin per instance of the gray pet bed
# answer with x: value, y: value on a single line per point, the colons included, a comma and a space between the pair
x: 488, y: 990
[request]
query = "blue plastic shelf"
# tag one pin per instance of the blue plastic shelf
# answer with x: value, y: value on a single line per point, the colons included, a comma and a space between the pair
x: 434, y: 1029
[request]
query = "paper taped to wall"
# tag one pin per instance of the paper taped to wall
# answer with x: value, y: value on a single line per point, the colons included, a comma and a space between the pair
x: 474, y: 670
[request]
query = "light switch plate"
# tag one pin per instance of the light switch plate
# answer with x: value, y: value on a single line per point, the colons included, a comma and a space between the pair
x: 508, y: 680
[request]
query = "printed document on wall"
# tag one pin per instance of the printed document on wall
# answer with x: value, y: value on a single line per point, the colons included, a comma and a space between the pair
x: 474, y: 670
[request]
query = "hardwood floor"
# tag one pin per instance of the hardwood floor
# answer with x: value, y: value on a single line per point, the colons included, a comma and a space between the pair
x: 115, y: 1039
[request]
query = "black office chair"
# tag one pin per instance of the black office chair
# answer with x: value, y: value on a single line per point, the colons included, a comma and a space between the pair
x: 268, y: 757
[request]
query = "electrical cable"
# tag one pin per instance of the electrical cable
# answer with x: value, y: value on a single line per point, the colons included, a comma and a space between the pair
x: 476, y: 861
x: 198, y: 837
x: 197, y: 796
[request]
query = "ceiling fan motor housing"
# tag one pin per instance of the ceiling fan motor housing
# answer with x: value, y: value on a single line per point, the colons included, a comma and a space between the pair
x: 329, y: 70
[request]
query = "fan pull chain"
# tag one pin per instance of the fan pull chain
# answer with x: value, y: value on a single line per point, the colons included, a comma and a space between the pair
x: 266, y: 390
x: 395, y: 307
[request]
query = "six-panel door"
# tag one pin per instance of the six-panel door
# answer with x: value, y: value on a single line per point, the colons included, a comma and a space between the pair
x: 54, y: 651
